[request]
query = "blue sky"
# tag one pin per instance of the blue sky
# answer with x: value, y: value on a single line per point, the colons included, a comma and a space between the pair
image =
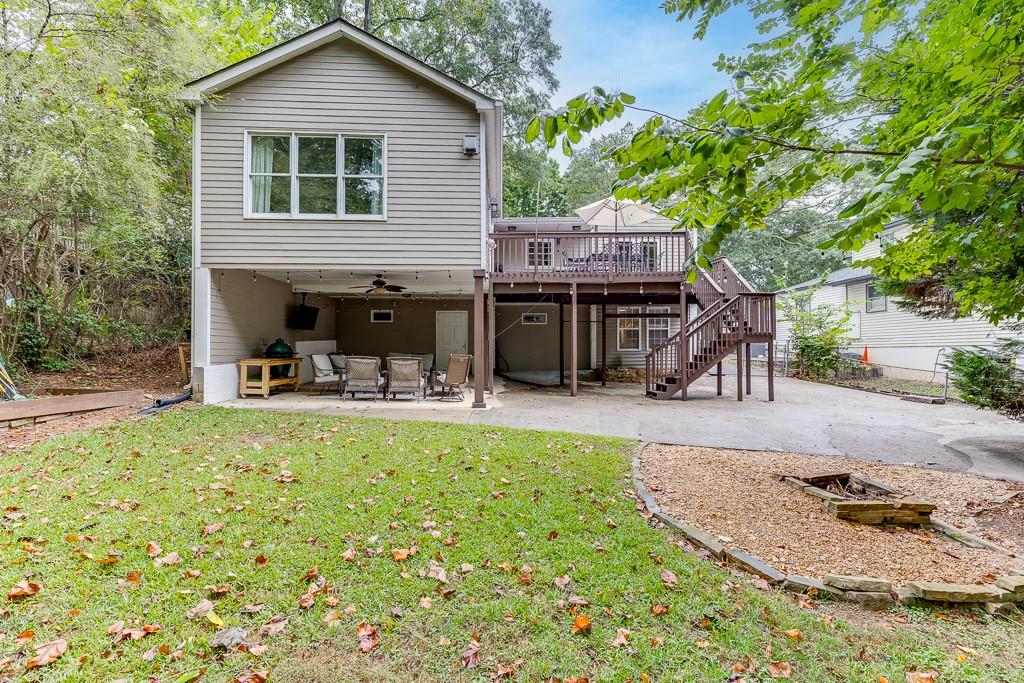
x: 632, y: 45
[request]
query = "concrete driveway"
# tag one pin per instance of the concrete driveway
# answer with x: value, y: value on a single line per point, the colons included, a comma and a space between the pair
x: 805, y: 418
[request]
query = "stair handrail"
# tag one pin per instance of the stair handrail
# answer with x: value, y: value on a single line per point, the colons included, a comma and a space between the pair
x: 722, y: 268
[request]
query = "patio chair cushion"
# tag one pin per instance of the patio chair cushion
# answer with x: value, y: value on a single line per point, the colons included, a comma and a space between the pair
x: 321, y: 365
x: 337, y: 360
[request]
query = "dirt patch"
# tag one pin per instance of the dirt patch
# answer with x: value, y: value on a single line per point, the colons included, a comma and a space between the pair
x: 30, y: 434
x: 737, y: 494
x: 154, y: 370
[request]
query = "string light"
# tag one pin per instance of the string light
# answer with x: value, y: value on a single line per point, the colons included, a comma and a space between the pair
x: 254, y: 276
x: 288, y: 276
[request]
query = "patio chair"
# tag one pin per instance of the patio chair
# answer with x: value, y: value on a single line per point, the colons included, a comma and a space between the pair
x: 406, y: 376
x: 338, y: 361
x: 362, y: 375
x: 454, y: 377
x: 324, y: 372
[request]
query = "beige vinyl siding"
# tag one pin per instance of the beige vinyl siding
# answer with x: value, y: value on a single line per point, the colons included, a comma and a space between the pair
x: 246, y: 316
x: 627, y: 358
x: 433, y: 197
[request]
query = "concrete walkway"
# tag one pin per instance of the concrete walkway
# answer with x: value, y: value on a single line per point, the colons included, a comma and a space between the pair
x: 806, y: 418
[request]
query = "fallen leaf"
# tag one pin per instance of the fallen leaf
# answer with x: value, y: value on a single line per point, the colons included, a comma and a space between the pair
x: 24, y: 637
x: 621, y: 637
x: 669, y: 578
x: 252, y: 677
x: 228, y: 638
x: 471, y: 656
x: 563, y: 581
x: 23, y: 589
x: 780, y: 670
x: 367, y: 635
x: 152, y: 549
x: 212, y: 528
x: 201, y: 610
x: 921, y: 676
x: 349, y: 555
x: 794, y: 634
x: 703, y: 644
x: 426, y: 602
x: 274, y: 626
x: 504, y: 671
x: 168, y: 559
x: 332, y: 617
x: 121, y: 633
x: 47, y: 653
x: 658, y: 609
x: 581, y: 624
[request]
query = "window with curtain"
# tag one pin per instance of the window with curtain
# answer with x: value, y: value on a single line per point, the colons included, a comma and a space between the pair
x: 628, y: 337
x: 301, y: 175
x: 657, y: 328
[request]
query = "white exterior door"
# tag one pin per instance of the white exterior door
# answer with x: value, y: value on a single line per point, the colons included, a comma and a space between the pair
x: 452, y: 331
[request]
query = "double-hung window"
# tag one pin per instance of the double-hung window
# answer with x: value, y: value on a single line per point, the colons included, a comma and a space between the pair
x: 876, y: 301
x: 657, y: 328
x: 628, y: 337
x: 315, y: 175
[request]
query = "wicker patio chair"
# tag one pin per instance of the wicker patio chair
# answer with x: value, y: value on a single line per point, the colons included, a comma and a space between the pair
x: 324, y: 372
x: 454, y: 377
x: 406, y: 376
x: 362, y: 375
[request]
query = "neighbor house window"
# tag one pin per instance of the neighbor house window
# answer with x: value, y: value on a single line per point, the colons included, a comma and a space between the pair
x: 535, y: 318
x: 299, y: 175
x: 384, y: 315
x: 540, y: 253
x: 876, y: 301
x: 657, y: 328
x: 628, y: 336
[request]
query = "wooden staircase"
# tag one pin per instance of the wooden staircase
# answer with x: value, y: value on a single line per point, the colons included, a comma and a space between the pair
x: 732, y: 315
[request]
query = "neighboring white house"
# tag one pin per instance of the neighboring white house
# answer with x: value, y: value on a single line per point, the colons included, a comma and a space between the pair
x: 908, y: 345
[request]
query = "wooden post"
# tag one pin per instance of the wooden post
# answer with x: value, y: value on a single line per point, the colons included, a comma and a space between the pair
x: 573, y: 334
x: 771, y: 370
x: 492, y: 358
x: 604, y: 345
x: 479, y: 342
x: 684, y: 341
x: 749, y: 372
x: 561, y: 343
x: 719, y: 378
x: 739, y: 372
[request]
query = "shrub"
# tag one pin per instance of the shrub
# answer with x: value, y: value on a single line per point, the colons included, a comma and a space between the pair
x: 818, y: 334
x: 987, y: 377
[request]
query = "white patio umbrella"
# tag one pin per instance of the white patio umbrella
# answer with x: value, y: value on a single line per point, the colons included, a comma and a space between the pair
x: 613, y: 213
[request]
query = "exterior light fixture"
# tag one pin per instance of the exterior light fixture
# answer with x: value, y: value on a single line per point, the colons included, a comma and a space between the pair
x: 494, y: 207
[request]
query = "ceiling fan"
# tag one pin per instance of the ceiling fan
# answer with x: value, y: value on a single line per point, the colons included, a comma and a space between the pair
x: 380, y: 286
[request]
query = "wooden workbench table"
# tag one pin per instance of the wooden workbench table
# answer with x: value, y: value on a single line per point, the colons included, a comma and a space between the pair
x: 263, y: 384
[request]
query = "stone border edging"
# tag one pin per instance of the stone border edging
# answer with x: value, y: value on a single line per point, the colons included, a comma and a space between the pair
x: 999, y: 598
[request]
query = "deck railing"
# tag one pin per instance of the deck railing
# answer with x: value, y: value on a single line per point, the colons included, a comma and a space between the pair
x: 600, y: 255
x: 725, y: 275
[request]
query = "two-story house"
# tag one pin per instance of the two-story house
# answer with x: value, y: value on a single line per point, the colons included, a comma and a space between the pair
x: 348, y: 196
x: 906, y: 345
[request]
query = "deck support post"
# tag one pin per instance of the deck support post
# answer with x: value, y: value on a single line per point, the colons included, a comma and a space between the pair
x: 749, y: 372
x: 561, y: 343
x: 771, y: 370
x: 719, y: 378
x: 739, y: 372
x: 684, y: 341
x: 573, y: 335
x: 604, y: 345
x: 492, y: 358
x: 479, y: 341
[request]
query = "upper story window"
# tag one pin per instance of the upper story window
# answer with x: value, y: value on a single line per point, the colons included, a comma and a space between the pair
x: 876, y: 301
x: 319, y: 176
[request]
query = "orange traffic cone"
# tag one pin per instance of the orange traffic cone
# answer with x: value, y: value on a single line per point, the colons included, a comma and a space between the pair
x: 864, y: 357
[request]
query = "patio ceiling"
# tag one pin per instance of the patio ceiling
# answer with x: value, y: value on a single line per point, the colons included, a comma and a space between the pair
x: 354, y: 283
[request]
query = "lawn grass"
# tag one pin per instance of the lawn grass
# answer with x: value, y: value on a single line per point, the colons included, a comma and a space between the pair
x: 521, y: 507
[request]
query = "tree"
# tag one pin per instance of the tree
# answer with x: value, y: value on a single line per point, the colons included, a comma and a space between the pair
x: 502, y: 47
x: 926, y: 97
x: 94, y: 195
x: 533, y: 183
x: 817, y: 334
x: 590, y: 175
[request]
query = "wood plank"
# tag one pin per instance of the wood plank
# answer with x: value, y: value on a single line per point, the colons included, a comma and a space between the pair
x: 18, y: 410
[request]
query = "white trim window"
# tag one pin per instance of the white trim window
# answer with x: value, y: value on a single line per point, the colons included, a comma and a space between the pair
x: 876, y: 301
x: 535, y: 318
x: 628, y: 330
x: 658, y: 329
x: 540, y: 252
x: 315, y: 176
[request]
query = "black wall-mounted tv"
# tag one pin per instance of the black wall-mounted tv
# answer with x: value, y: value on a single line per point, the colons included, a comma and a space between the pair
x: 303, y: 317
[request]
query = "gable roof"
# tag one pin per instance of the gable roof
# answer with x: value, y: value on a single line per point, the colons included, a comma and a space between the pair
x: 322, y: 35
x: 844, y: 276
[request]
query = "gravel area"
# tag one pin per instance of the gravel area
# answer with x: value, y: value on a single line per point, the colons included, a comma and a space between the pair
x: 737, y: 494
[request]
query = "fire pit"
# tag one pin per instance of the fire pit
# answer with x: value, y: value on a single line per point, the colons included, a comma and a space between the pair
x: 856, y: 498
